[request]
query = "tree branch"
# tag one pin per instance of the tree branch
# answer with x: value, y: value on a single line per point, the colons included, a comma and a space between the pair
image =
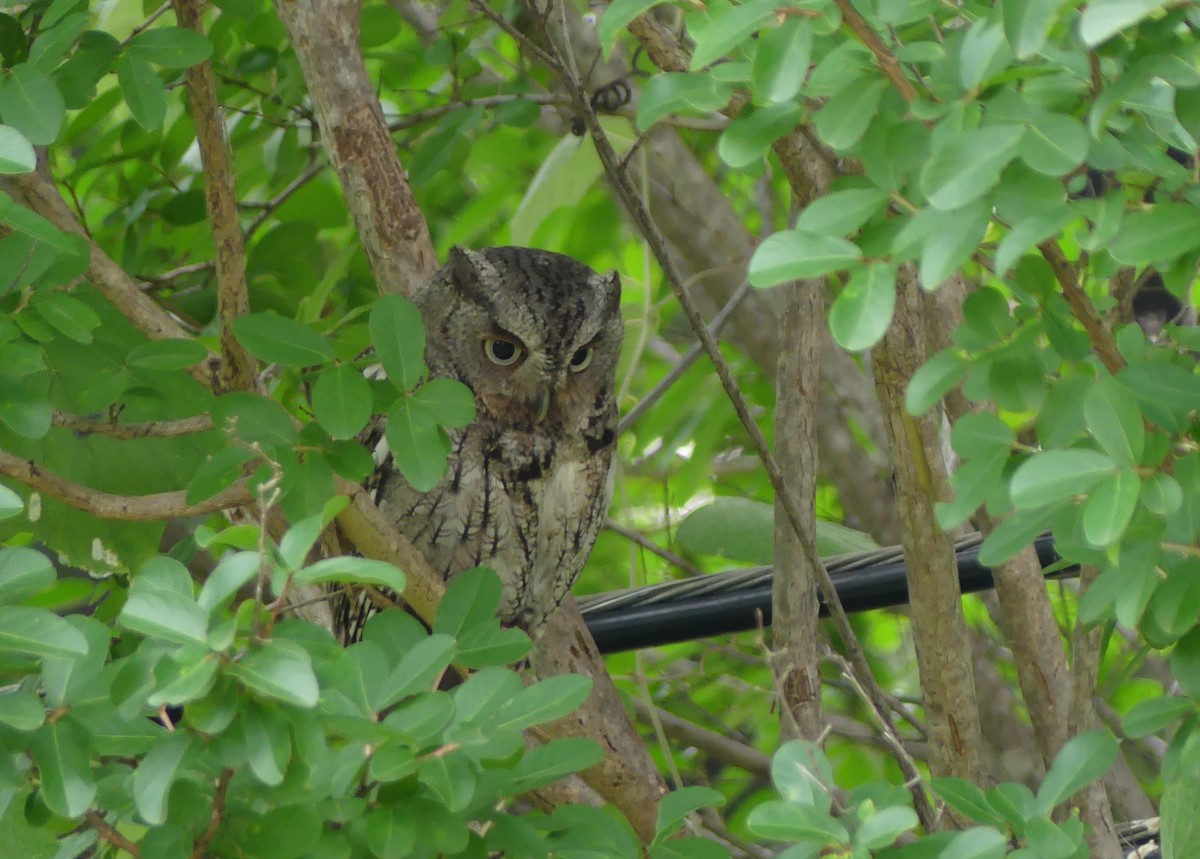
x: 147, y: 429
x: 1082, y: 307
x: 107, y: 505
x: 108, y: 833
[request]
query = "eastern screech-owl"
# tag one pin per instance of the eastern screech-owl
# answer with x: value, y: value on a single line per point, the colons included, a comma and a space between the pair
x: 535, y: 335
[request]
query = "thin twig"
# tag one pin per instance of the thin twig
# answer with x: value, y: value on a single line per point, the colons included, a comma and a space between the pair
x: 887, y: 60
x: 108, y: 833
x: 269, y: 207
x: 1082, y: 307
x: 145, y: 25
x: 168, y: 277
x: 214, y: 820
x: 106, y: 505
x: 146, y: 429
x: 650, y: 546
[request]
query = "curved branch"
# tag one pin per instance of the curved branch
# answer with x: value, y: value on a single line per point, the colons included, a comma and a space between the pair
x: 146, y: 429
x: 107, y: 505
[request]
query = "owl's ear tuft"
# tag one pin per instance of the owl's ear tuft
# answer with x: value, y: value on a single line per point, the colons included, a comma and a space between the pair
x: 466, y: 265
x: 610, y: 286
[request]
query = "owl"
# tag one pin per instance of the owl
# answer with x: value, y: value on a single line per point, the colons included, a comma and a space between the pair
x: 535, y: 335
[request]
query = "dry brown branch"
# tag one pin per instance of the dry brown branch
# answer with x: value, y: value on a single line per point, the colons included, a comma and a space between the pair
x: 106, y: 505
x: 939, y: 628
x: 1082, y: 307
x: 108, y: 833
x: 214, y: 820
x: 220, y: 199
x: 720, y: 747
x: 392, y: 228
x: 146, y: 429
x: 633, y: 203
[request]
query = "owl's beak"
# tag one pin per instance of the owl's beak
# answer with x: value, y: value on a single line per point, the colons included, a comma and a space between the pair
x: 543, y: 407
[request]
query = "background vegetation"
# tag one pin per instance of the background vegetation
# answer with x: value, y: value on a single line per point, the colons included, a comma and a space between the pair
x: 943, y: 213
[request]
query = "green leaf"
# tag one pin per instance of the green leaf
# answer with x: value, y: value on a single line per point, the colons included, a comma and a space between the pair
x: 417, y: 671
x: 781, y: 61
x: 51, y: 44
x: 419, y: 446
x: 1185, y: 658
x: 802, y: 774
x: 450, y: 778
x: 737, y: 528
x: 31, y: 103
x: 985, y: 53
x: 341, y: 401
x: 279, y: 340
x: 70, y: 680
x: 678, y: 804
x: 542, y: 765
x: 279, y: 670
x: 1027, y: 23
x: 391, y: 831
x: 399, y: 338
x: 451, y: 402
x: 1055, y: 475
x: 1103, y: 19
x: 288, y: 832
x: 160, y: 613
x: 844, y: 119
x: 800, y: 254
x: 220, y: 471
x: 155, y: 774
x: 1082, y: 759
x: 885, y: 826
x: 170, y: 47
x: 1055, y: 144
x: 968, y: 166
x: 679, y: 91
x: 1154, y: 714
x: 543, y: 702
x: 616, y: 18
x: 68, y: 314
x: 965, y: 798
x: 933, y: 380
x: 978, y: 843
x: 1166, y: 231
x: 1014, y: 534
x: 862, y: 312
x: 37, y: 632
x: 143, y: 91
x: 471, y: 600
x: 1180, y: 824
x: 235, y: 570
x: 21, y: 711
x: 1110, y: 507
x: 21, y: 407
x: 268, y: 743
x: 60, y: 749
x: 358, y: 570
x: 170, y: 354
x: 254, y: 419
x: 11, y: 506
x: 841, y: 213
x: 16, y: 152
x: 788, y: 821
x: 751, y: 134
x: 23, y: 572
x: 721, y: 27
x: 561, y: 182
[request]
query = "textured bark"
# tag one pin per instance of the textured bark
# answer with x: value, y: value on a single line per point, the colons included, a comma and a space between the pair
x: 938, y: 627
x: 393, y: 231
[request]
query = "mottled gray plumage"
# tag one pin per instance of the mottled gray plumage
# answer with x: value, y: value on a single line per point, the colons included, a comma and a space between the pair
x: 536, y: 336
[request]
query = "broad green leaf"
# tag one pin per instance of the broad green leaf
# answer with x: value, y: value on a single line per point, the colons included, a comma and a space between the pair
x: 1172, y: 611
x: 978, y: 843
x: 1162, y: 494
x: 22, y: 409
x: 23, y: 572
x: 50, y: 45
x: 61, y: 751
x: 68, y: 680
x: 844, y: 118
x: 695, y: 847
x: 1055, y: 475
x: 16, y: 152
x: 968, y: 166
x: 862, y: 311
x: 1153, y: 714
x: 1166, y: 231
x: 255, y: 419
x: 68, y: 314
x: 399, y: 338
x: 38, y: 632
x: 751, y: 134
x: 617, y: 16
x: 1027, y: 23
x: 781, y: 61
x: 280, y: 340
x: 788, y: 821
x: 391, y: 831
x: 934, y: 379
x: 1114, y: 421
x: 171, y: 354
x: 417, y: 671
x: 220, y: 471
x: 31, y: 103
x: 800, y: 254
x: 982, y: 434
x: 471, y: 600
x: 488, y: 645
x: 1103, y: 19
x: 678, y: 91
x: 420, y: 720
x: 985, y: 52
x: 341, y: 401
x: 842, y: 212
x: 419, y: 446
x: 143, y: 91
x: 885, y: 826
x: 1014, y: 534
x: 1082, y: 759
x: 544, y: 701
x: 1055, y: 144
x: 1110, y: 507
x: 189, y: 674
x: 268, y: 743
x: 561, y: 181
x: 1180, y: 824
x: 164, y: 614
x: 738, y: 528
x: 451, y: 402
x: 358, y: 570
x: 287, y: 832
x: 36, y: 227
x: 11, y: 506
x: 279, y: 670
x: 154, y: 775
x: 965, y: 798
x: 170, y: 47
x: 235, y: 570
x: 678, y: 804
x: 547, y: 763
x: 721, y: 27
x: 450, y: 778
x: 803, y: 775
x: 21, y: 711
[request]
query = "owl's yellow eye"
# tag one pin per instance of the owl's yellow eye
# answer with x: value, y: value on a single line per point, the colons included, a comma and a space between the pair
x: 581, y: 359
x: 501, y: 352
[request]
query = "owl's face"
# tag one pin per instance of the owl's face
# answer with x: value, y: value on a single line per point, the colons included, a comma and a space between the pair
x: 535, y: 334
